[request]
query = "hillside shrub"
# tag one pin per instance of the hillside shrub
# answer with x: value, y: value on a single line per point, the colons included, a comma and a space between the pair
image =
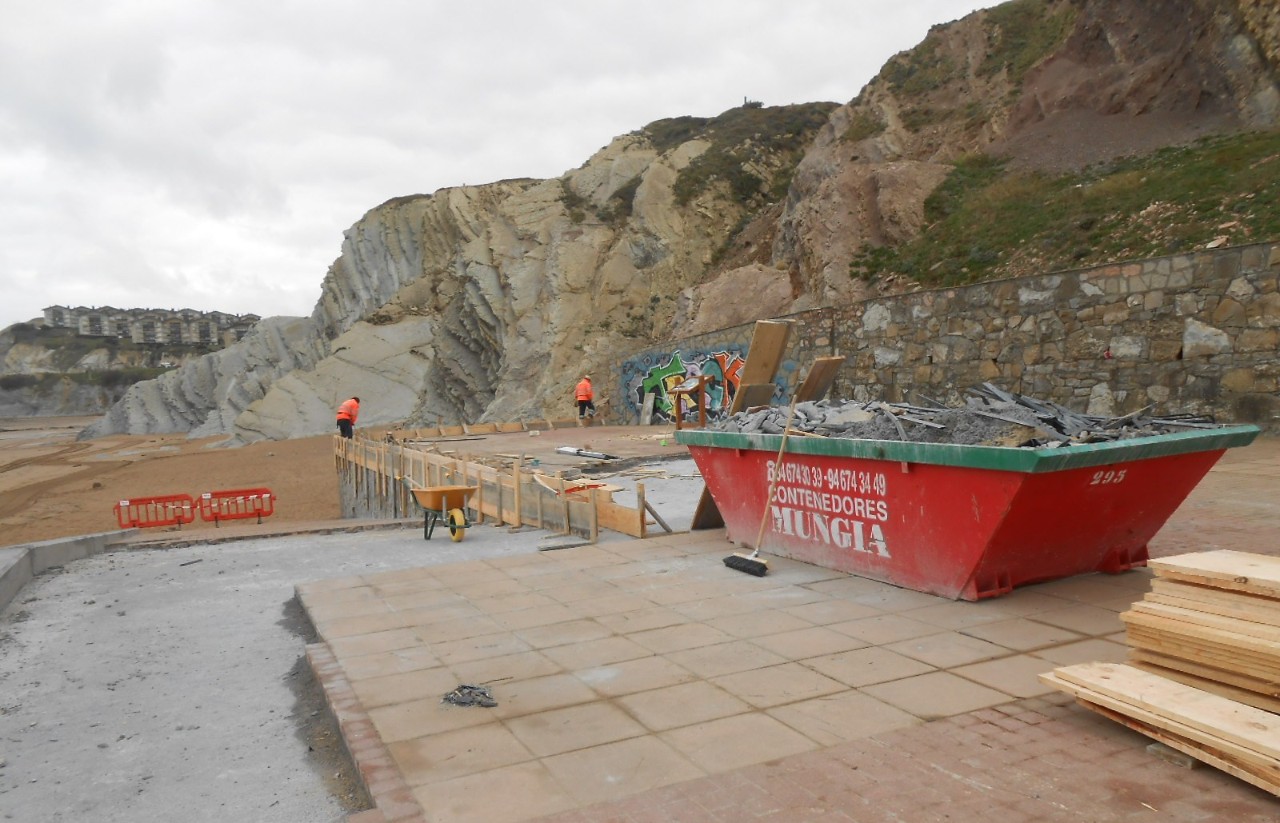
x: 861, y: 126
x: 1021, y: 34
x: 620, y: 204
x: 666, y: 134
x: 985, y: 221
x: 744, y: 139
x: 920, y: 70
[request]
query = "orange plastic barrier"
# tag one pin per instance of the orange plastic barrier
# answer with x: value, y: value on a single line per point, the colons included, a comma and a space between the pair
x: 237, y: 504
x: 161, y: 510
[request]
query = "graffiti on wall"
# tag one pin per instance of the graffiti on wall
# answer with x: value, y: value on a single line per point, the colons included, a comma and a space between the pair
x: 663, y: 373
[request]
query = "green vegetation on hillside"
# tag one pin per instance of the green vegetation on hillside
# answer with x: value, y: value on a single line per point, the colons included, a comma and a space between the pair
x: 666, y: 134
x: 109, y: 379
x: 1019, y: 33
x: 618, y: 208
x: 754, y: 149
x: 69, y: 348
x: 1022, y: 33
x: 985, y: 222
x: 920, y: 70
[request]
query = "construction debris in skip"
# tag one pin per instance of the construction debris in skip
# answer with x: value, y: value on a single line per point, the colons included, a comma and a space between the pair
x: 990, y: 417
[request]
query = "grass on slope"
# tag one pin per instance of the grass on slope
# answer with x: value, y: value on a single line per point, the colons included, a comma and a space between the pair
x: 986, y: 223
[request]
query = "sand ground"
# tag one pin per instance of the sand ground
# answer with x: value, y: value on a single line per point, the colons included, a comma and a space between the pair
x: 52, y: 485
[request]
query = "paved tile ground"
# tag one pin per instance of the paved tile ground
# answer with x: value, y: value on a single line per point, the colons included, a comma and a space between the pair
x: 642, y: 680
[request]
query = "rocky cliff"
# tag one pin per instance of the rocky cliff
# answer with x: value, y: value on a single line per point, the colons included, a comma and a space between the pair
x: 483, y: 303
x: 204, y: 397
x: 43, y: 375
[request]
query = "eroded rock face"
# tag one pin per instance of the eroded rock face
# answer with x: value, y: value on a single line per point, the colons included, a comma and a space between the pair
x: 205, y: 396
x: 485, y: 302
x: 1123, y: 77
x: 64, y: 397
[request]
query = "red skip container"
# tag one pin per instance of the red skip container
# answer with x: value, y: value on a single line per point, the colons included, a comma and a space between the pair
x: 965, y: 522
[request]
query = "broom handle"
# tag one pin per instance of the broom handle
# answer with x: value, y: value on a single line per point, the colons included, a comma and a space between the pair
x: 777, y: 464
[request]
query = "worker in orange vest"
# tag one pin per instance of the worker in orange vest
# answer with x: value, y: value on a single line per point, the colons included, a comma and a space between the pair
x: 347, y: 414
x: 585, y: 396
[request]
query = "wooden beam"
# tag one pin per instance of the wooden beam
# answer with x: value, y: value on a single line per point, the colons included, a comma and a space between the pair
x: 768, y: 346
x: 752, y: 394
x: 821, y: 376
x: 1224, y: 569
x: 1256, y: 733
x: 515, y: 473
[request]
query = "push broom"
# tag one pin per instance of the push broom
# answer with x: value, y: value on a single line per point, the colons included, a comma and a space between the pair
x: 752, y: 562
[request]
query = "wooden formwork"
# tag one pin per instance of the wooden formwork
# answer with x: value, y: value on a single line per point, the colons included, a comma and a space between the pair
x: 476, y: 429
x: 380, y: 475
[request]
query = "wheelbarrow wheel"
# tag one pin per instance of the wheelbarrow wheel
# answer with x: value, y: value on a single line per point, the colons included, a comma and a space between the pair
x: 457, y: 524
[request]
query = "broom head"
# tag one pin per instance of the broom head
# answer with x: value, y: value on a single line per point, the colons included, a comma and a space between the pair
x: 746, y: 563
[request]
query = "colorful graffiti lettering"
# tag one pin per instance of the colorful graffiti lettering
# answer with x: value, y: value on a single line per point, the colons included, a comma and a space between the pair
x: 663, y: 378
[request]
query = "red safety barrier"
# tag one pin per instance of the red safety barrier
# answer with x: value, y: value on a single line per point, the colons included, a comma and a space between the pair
x: 160, y: 510
x: 237, y: 504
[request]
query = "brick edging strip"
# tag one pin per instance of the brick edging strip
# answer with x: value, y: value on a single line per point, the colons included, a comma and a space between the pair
x: 393, y: 800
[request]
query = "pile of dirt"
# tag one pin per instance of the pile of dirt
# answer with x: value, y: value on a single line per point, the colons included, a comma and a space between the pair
x: 52, y: 485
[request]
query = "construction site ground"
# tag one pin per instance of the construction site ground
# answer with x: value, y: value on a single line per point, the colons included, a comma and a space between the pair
x: 635, y: 680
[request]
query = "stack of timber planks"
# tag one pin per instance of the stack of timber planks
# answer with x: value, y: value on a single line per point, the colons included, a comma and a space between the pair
x: 1212, y: 621
x: 1204, y: 672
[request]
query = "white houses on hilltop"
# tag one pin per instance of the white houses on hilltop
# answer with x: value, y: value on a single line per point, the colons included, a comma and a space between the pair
x: 213, y: 328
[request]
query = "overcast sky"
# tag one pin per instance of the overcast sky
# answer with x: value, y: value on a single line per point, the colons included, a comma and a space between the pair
x: 210, y: 153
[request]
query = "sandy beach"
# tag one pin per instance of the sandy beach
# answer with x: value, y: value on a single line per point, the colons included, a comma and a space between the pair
x: 52, y: 485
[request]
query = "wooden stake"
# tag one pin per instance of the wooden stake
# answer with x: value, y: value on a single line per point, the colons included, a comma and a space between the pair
x: 497, y: 482
x: 564, y: 500
x: 515, y: 475
x: 641, y: 505
x: 473, y: 477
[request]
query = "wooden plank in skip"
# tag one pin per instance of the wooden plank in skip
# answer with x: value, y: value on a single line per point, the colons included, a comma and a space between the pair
x: 821, y: 376
x: 768, y: 346
x: 752, y: 394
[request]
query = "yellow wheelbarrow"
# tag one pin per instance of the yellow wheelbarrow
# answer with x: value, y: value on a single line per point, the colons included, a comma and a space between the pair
x: 444, y: 504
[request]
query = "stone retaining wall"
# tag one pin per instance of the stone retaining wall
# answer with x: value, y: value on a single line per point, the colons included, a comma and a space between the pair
x: 1187, y: 333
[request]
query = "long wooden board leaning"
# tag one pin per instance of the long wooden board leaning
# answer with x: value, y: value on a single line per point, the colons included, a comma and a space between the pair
x: 764, y: 355
x: 1204, y: 673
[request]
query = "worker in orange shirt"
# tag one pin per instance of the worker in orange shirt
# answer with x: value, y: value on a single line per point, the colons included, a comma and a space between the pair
x: 585, y: 396
x: 347, y: 414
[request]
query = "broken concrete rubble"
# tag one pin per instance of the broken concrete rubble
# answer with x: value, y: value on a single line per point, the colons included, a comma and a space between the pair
x: 989, y: 417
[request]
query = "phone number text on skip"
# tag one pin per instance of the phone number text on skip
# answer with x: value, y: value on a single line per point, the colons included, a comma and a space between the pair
x: 841, y: 480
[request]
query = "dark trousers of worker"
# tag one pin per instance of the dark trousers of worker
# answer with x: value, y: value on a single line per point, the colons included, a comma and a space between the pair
x: 585, y: 408
x: 344, y: 428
